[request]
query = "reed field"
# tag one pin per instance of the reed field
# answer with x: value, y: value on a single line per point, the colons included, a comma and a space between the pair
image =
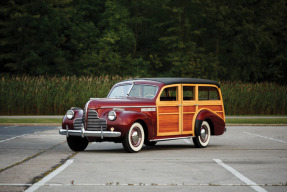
x: 254, y: 99
x: 26, y: 95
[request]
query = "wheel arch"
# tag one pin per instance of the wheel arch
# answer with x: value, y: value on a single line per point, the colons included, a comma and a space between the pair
x: 127, y: 118
x: 210, y: 122
x: 216, y: 123
x: 145, y: 127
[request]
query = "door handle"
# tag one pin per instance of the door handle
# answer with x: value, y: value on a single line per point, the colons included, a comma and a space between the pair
x: 179, y: 105
x: 196, y: 105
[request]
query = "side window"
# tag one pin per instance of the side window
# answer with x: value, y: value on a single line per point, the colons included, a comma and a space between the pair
x: 213, y: 94
x: 143, y: 91
x: 149, y: 91
x: 188, y: 93
x: 208, y: 93
x: 169, y: 94
x: 135, y: 91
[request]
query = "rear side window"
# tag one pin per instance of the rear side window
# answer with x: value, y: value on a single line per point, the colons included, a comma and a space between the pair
x: 169, y: 94
x: 188, y: 93
x: 208, y: 93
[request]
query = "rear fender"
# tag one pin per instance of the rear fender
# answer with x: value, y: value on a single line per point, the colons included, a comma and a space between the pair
x: 216, y: 123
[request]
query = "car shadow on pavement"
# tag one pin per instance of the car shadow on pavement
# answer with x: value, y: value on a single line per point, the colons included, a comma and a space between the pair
x: 119, y: 149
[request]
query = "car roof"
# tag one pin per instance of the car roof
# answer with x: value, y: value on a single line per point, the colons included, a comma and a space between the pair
x: 179, y: 80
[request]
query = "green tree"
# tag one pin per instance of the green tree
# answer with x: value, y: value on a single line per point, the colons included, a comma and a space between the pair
x: 249, y: 35
x: 116, y: 42
x: 33, y: 38
x: 230, y: 40
x: 82, y: 36
x: 185, y: 54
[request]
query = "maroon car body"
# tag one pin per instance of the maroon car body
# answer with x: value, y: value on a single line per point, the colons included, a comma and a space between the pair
x: 148, y: 110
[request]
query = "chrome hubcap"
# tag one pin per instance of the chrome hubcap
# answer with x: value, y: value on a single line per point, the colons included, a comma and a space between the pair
x: 135, y: 137
x: 203, y: 134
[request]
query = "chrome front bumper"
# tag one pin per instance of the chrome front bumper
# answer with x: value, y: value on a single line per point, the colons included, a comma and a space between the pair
x: 84, y: 133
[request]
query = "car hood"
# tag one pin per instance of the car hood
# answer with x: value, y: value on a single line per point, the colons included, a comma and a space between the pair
x: 119, y: 102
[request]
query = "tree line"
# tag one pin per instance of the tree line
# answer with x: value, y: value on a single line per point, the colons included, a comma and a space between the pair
x: 223, y: 40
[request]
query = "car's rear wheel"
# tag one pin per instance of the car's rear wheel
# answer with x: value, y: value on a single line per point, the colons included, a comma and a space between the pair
x: 134, y: 140
x: 202, y: 140
x: 77, y: 143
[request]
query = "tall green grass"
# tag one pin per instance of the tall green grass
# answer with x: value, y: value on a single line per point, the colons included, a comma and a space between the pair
x: 26, y: 95
x: 254, y: 98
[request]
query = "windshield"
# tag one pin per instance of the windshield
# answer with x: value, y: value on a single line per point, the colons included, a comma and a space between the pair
x: 134, y: 90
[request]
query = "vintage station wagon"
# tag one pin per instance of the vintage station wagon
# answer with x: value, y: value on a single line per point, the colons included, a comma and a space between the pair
x: 146, y: 111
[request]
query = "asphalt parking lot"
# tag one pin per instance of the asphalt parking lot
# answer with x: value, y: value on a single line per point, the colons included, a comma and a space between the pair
x: 245, y: 158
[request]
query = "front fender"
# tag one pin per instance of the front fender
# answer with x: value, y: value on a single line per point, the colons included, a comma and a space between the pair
x: 216, y: 123
x: 78, y: 114
x: 125, y: 119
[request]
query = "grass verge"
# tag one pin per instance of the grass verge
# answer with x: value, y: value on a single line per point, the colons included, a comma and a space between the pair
x: 257, y: 121
x: 31, y: 121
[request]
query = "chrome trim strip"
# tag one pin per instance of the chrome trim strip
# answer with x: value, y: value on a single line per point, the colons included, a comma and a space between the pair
x: 148, y: 109
x: 86, y: 112
x: 84, y: 133
x: 87, y: 106
x: 167, y: 139
x: 118, y: 109
x: 128, y: 107
x: 67, y: 128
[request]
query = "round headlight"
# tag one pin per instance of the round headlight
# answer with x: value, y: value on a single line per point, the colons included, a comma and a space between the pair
x: 112, y: 115
x: 70, y: 114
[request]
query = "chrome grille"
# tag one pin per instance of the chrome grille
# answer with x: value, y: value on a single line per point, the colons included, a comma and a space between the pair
x: 93, y: 114
x: 94, y: 123
x: 84, y: 117
x: 78, y: 124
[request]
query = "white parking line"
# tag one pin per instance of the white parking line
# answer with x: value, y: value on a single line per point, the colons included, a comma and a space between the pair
x: 240, y: 176
x: 15, y: 184
x: 9, y: 127
x: 265, y: 137
x: 42, y: 182
x: 12, y: 138
x: 137, y: 184
x: 18, y: 136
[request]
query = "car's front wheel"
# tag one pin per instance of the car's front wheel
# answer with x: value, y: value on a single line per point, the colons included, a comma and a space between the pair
x: 134, y: 140
x: 77, y: 143
x: 202, y: 140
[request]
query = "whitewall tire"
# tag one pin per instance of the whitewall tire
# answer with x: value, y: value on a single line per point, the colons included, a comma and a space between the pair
x: 134, y: 140
x: 203, y: 139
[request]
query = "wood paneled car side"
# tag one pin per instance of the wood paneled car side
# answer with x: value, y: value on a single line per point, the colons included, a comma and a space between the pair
x: 148, y: 110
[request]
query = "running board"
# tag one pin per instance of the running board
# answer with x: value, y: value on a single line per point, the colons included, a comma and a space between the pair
x: 168, y: 139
